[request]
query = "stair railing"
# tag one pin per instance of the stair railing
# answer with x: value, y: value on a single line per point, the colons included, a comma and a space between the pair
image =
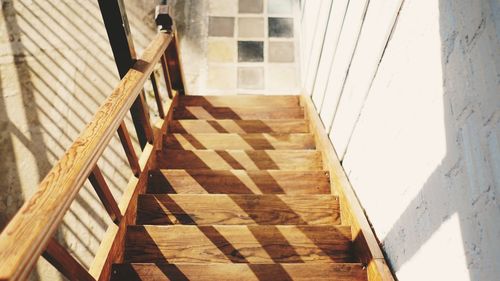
x: 31, y: 231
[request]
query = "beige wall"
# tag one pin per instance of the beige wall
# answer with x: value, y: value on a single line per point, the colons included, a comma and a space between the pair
x: 410, y: 92
x: 56, y: 67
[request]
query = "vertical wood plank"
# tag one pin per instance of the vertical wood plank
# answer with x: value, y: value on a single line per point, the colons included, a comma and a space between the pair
x: 63, y: 261
x: 129, y: 149
x: 159, y: 103
x: 317, y: 47
x: 333, y: 29
x: 102, y: 189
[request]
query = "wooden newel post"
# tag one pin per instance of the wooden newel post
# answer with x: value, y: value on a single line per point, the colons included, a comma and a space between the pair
x: 172, y: 69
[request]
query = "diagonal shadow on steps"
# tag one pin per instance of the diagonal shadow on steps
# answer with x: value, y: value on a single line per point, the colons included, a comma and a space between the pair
x: 237, y: 182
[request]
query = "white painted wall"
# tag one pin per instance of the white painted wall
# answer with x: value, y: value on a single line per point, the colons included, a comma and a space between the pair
x: 414, y: 112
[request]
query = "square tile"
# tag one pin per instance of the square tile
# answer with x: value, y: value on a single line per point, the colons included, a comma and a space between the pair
x: 250, y: 51
x: 281, y: 52
x: 221, y: 26
x: 281, y: 77
x: 222, y: 7
x: 250, y: 6
x: 281, y: 27
x: 251, y: 27
x: 221, y: 50
x: 250, y: 77
x: 282, y: 7
x: 221, y: 77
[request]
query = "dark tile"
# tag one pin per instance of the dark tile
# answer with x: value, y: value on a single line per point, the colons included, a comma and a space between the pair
x: 280, y: 27
x: 221, y: 26
x: 250, y: 51
x: 251, y: 6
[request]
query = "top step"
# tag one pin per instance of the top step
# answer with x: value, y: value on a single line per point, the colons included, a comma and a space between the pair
x: 238, y: 113
x: 239, y: 101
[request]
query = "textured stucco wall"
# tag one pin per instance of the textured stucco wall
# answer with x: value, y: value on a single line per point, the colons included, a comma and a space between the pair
x: 417, y: 121
x: 56, y: 67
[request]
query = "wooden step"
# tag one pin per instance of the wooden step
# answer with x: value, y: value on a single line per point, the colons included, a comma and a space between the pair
x: 221, y: 209
x: 302, y: 160
x: 239, y: 182
x: 239, y: 126
x: 239, y: 141
x: 238, y: 113
x: 239, y: 100
x: 240, y: 272
x: 238, y: 244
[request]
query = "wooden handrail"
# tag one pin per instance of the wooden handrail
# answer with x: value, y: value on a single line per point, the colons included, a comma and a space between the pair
x: 29, y: 232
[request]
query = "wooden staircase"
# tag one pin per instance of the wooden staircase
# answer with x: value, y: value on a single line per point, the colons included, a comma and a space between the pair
x: 239, y: 192
x: 223, y: 188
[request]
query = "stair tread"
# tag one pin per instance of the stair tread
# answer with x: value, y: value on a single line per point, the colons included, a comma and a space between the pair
x: 238, y: 192
x: 239, y: 126
x: 239, y: 100
x: 240, y: 159
x: 238, y: 244
x: 240, y: 272
x: 239, y: 182
x: 239, y: 141
x: 207, y: 209
x: 238, y: 113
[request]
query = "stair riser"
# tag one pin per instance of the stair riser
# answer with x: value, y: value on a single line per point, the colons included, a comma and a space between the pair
x: 240, y: 272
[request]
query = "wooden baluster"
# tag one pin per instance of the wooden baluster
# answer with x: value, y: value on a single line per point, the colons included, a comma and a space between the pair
x: 140, y: 117
x: 129, y: 149
x: 102, y: 189
x: 166, y: 75
x: 159, y: 103
x: 63, y: 261
x: 173, y: 58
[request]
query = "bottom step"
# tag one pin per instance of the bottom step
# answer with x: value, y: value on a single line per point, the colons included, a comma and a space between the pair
x: 239, y: 272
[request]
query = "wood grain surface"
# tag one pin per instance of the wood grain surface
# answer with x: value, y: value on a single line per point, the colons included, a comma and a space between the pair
x: 240, y: 272
x: 240, y: 101
x: 239, y: 141
x: 207, y: 209
x: 239, y: 244
x: 277, y: 126
x: 238, y: 113
x: 300, y: 160
x: 239, y: 182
